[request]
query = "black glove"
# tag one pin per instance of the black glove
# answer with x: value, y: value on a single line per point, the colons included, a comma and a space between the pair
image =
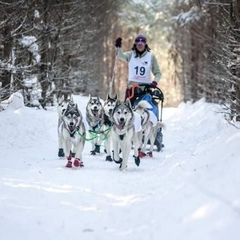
x: 118, y: 42
x: 153, y: 84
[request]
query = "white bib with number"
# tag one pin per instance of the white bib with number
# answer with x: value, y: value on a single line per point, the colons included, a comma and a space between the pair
x: 139, y: 69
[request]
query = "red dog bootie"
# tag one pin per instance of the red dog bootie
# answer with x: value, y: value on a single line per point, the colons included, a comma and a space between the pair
x: 141, y: 154
x: 78, y: 163
x: 69, y: 164
x: 150, y: 154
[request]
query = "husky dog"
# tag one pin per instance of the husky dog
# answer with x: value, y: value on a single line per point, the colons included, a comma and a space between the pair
x: 123, y: 133
x: 149, y: 127
x: 72, y: 132
x: 94, y: 117
x: 108, y: 107
x: 63, y: 103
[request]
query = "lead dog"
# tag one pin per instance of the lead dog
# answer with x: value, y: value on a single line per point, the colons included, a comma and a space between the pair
x: 123, y: 134
x: 63, y: 103
x: 72, y: 133
x: 108, y: 106
x: 94, y: 117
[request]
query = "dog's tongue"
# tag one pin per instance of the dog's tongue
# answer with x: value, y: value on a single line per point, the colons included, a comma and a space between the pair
x: 120, y: 125
x: 71, y: 128
x: 95, y: 112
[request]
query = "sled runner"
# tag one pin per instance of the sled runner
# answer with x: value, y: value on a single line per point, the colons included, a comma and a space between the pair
x: 155, y: 97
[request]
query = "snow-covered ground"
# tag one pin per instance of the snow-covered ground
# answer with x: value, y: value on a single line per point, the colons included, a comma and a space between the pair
x: 189, y: 191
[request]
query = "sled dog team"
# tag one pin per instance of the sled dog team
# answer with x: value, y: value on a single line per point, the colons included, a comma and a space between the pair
x: 114, y: 124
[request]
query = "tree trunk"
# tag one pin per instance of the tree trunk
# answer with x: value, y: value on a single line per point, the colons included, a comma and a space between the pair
x: 43, y: 79
x: 7, y: 50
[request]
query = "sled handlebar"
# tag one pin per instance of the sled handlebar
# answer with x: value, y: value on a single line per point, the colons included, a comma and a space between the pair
x: 147, y: 89
x: 148, y: 86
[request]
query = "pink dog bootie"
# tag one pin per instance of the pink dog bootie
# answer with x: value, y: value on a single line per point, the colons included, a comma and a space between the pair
x: 69, y: 164
x: 78, y: 163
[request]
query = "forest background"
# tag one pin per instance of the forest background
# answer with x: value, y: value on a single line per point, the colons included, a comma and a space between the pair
x: 51, y: 46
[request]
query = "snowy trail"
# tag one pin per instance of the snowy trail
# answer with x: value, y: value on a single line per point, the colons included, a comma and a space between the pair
x: 181, y: 193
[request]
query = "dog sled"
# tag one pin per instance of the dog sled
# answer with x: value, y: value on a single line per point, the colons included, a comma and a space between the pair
x: 155, y: 97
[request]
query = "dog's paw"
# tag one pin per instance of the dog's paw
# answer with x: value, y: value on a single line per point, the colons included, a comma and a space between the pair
x: 137, y: 160
x: 119, y: 161
x: 72, y: 154
x: 121, y: 167
x: 150, y: 154
x: 141, y: 154
x: 92, y: 152
x: 61, y: 152
x: 97, y: 148
x: 69, y: 164
x: 109, y: 158
x: 78, y: 163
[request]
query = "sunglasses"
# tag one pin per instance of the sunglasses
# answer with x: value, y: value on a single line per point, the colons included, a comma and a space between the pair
x: 138, y: 40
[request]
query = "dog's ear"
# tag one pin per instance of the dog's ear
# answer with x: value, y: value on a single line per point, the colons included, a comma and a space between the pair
x: 65, y: 109
x: 60, y: 100
x: 116, y: 97
x: 108, y: 97
x: 118, y: 102
x: 128, y: 103
x: 78, y: 110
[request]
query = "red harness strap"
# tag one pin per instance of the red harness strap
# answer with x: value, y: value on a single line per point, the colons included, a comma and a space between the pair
x: 130, y: 91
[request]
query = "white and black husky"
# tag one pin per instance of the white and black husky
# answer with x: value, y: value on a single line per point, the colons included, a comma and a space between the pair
x: 94, y: 117
x: 108, y: 106
x: 123, y: 134
x: 149, y: 124
x: 73, y: 133
x: 63, y: 103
